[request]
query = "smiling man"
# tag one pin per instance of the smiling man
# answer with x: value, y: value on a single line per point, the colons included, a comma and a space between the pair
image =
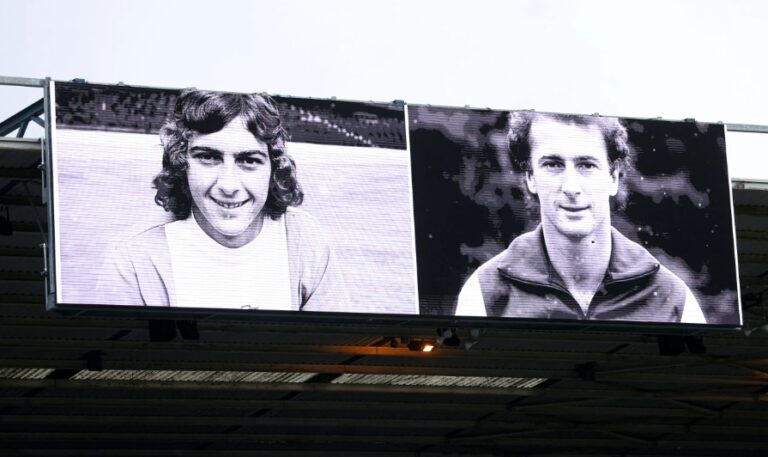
x: 238, y: 240
x: 574, y: 265
x: 228, y: 173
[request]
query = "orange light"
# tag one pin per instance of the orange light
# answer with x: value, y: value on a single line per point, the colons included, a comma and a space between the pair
x: 428, y: 347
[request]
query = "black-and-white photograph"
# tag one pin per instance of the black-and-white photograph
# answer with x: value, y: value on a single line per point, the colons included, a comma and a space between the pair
x: 203, y: 199
x: 521, y: 214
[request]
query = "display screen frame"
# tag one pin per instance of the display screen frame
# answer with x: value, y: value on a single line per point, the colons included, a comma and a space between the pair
x: 53, y: 285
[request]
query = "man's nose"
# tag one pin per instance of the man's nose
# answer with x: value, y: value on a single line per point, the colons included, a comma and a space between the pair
x: 228, y: 181
x: 571, y: 182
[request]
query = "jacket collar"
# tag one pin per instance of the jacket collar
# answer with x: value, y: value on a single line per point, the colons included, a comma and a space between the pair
x: 526, y: 261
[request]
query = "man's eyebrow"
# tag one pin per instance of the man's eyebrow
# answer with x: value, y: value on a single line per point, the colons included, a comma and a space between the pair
x: 550, y: 157
x: 249, y: 153
x: 205, y: 149
x: 587, y: 158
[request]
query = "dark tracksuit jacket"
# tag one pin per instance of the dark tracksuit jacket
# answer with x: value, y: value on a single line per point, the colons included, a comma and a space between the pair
x: 520, y: 282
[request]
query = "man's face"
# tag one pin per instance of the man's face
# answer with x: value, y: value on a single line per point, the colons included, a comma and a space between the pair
x: 229, y: 173
x: 571, y: 176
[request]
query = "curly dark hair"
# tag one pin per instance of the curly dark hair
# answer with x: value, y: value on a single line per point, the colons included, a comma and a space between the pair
x: 621, y: 155
x: 204, y: 112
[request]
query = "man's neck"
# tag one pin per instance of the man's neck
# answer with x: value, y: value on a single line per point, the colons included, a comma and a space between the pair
x: 581, y: 262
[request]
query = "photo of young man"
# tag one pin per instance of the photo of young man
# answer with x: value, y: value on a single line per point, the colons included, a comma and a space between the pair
x: 210, y: 200
x: 237, y: 239
x: 574, y: 265
x: 546, y: 216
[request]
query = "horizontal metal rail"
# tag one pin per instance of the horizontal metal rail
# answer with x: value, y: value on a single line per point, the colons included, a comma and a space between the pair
x: 24, y: 82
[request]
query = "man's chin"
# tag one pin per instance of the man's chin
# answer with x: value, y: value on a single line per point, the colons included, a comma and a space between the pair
x: 575, y: 231
x: 230, y: 232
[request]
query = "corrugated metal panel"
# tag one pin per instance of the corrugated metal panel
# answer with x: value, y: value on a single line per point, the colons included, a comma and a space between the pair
x: 423, y: 380
x: 181, y: 376
x: 277, y: 377
x: 258, y: 376
x: 25, y: 373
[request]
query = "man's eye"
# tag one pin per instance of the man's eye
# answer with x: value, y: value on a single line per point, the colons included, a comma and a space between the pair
x: 587, y: 165
x: 551, y: 164
x: 251, y: 161
x: 205, y: 158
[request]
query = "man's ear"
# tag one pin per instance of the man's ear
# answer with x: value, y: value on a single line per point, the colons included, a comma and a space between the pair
x: 615, y: 176
x: 530, y: 182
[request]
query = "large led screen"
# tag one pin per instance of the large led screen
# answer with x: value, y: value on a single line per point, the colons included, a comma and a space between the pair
x: 208, y: 201
x: 547, y: 216
x: 212, y: 200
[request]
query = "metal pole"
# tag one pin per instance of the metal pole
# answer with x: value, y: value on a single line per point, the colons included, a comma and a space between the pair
x: 16, y: 81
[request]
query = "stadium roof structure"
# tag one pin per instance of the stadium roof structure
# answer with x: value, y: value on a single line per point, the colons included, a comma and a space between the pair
x: 102, y: 385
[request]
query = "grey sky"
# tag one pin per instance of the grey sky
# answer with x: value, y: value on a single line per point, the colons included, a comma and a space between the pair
x: 675, y: 59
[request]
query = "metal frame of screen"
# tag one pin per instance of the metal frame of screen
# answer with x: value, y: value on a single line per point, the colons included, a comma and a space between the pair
x: 733, y: 227
x: 53, y: 285
x: 48, y: 183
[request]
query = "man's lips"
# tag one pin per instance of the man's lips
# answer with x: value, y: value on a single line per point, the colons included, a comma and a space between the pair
x: 229, y: 204
x: 573, y: 209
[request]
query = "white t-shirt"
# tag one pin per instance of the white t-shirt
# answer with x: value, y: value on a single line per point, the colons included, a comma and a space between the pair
x: 209, y: 275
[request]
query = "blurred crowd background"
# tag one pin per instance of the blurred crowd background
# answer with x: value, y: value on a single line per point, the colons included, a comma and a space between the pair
x: 144, y: 110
